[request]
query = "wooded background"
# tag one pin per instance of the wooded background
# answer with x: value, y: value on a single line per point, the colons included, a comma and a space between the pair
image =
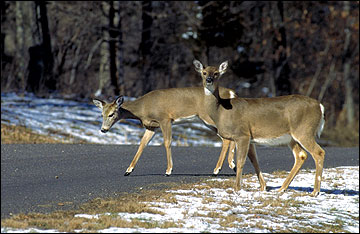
x: 86, y: 49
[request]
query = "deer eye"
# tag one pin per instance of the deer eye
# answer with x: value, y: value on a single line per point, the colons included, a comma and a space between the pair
x: 204, y: 73
x: 216, y: 73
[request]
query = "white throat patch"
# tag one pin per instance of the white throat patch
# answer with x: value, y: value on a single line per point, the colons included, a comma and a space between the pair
x: 207, y: 92
x: 232, y: 94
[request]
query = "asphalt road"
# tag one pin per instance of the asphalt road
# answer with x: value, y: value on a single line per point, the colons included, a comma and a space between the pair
x: 46, y: 177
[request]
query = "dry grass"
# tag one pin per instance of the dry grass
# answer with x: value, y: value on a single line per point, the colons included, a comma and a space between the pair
x: 65, y: 221
x: 11, y: 134
x: 342, y: 135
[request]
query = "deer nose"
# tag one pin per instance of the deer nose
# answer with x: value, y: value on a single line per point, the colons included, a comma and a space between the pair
x: 209, y: 79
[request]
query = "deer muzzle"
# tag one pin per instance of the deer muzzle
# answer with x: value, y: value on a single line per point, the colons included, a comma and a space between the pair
x: 209, y: 80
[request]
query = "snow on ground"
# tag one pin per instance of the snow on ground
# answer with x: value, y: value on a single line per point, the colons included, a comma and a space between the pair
x: 207, y: 209
x: 83, y: 120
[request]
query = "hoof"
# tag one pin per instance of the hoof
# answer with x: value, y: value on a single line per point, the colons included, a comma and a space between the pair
x: 214, y: 175
x: 127, y: 173
x: 234, y: 169
x: 281, y: 190
x: 167, y: 174
x: 314, y: 194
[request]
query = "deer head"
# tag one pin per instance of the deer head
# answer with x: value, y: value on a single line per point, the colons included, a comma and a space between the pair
x: 110, y: 112
x: 210, y: 75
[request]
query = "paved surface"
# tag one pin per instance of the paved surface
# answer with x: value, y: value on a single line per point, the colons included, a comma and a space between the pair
x: 46, y: 177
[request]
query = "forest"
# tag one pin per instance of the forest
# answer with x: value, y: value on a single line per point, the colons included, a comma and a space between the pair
x: 86, y: 49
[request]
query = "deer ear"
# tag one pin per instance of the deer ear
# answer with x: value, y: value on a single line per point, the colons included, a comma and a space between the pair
x: 99, y: 103
x: 223, y: 67
x: 119, y: 100
x: 198, y: 66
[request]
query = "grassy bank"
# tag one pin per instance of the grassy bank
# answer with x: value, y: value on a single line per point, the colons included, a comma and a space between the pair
x: 11, y: 134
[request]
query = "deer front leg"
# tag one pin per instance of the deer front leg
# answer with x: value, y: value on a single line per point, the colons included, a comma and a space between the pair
x: 144, y: 141
x: 224, y: 149
x: 166, y: 130
x: 231, y: 155
x: 242, y: 147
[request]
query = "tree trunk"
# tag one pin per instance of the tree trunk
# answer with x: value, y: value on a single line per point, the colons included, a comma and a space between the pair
x: 50, y: 81
x: 34, y: 50
x: 120, y: 54
x: 318, y: 70
x: 145, y: 45
x: 282, y: 69
x: 20, y: 42
x: 280, y: 83
x: 349, y: 102
x: 75, y: 63
x: 329, y: 79
x: 112, y: 49
x: 104, y: 55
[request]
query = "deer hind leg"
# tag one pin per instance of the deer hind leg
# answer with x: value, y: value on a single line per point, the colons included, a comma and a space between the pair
x: 253, y: 158
x: 166, y: 130
x: 300, y: 156
x: 318, y: 154
x: 224, y: 149
x: 144, y: 141
x: 242, y: 147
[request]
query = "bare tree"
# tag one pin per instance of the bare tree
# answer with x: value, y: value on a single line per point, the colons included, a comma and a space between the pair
x: 50, y: 81
x: 280, y: 63
x: 120, y: 49
x: 146, y: 45
x: 347, y: 59
x: 112, y: 48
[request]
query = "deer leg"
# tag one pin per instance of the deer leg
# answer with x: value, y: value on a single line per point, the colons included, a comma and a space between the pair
x: 225, y: 146
x: 253, y: 158
x: 166, y: 130
x: 318, y: 154
x: 231, y: 155
x: 242, y: 147
x: 144, y: 141
x: 300, y: 156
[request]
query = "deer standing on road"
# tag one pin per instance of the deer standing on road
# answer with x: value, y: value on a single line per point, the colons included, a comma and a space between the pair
x: 293, y: 120
x: 162, y: 108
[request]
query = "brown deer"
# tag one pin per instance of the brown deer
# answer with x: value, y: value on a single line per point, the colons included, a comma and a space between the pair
x: 162, y: 108
x: 293, y: 120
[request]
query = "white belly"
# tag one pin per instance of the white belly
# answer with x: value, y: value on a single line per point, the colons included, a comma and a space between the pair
x: 188, y: 119
x: 281, y: 140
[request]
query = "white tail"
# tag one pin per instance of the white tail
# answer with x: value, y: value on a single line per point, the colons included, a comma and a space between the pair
x: 294, y: 120
x: 162, y: 108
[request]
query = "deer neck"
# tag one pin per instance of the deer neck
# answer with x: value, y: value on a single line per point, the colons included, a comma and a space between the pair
x: 212, y: 101
x: 130, y: 110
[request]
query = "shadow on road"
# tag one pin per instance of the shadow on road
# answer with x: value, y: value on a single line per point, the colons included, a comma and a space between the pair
x: 347, y: 192
x: 192, y: 175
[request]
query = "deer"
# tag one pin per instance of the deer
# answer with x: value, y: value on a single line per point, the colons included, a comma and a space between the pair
x: 160, y: 109
x: 294, y: 120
